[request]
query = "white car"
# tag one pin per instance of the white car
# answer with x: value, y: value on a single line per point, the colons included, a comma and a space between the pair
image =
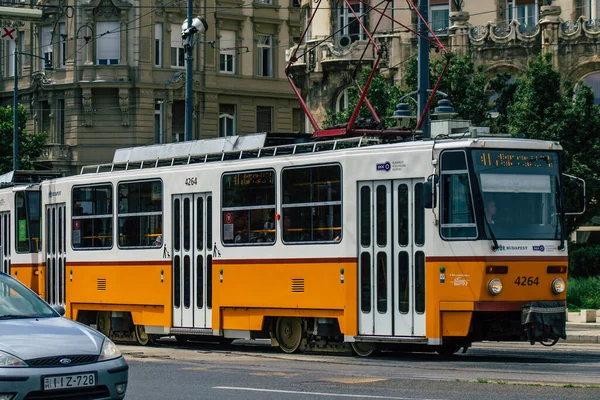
x: 46, y: 356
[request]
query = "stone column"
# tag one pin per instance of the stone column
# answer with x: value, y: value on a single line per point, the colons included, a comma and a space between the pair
x: 459, y: 32
x: 550, y: 24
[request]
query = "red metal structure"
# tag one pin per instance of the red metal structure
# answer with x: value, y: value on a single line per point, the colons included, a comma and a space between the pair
x: 349, y: 129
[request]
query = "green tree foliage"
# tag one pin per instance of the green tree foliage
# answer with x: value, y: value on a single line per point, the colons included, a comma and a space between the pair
x: 463, y: 82
x: 545, y: 109
x: 382, y: 96
x: 30, y: 145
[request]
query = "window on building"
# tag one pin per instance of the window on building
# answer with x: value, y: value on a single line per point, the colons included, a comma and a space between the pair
x: 312, y: 204
x: 177, y: 50
x: 297, y: 120
x: 591, y: 9
x: 226, y: 120
x: 140, y: 213
x: 108, y: 43
x: 265, y: 55
x: 62, y: 57
x: 526, y: 12
x: 60, y: 121
x: 348, y: 25
x: 227, y: 49
x: 341, y: 102
x: 158, y: 122
x: 593, y: 80
x: 44, y: 113
x: 21, y: 46
x: 11, y: 54
x: 92, y: 216
x: 270, y: 2
x: 47, y: 47
x: 248, y: 205
x: 264, y: 119
x: 439, y: 16
x: 28, y: 238
x: 178, y: 121
x: 158, y: 45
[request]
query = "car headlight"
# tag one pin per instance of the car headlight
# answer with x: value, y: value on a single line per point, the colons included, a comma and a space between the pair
x: 7, y: 360
x: 495, y: 286
x: 558, y: 286
x: 109, y: 351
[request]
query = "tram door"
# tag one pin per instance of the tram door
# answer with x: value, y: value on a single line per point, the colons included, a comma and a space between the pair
x: 5, y: 242
x: 391, y: 260
x: 192, y: 260
x: 55, y: 254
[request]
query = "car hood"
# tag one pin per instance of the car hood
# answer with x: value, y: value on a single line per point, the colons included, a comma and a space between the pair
x: 46, y: 337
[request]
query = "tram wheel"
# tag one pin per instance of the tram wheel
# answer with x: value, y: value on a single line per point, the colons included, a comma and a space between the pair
x: 363, y: 349
x: 141, y: 337
x: 103, y: 322
x: 289, y: 333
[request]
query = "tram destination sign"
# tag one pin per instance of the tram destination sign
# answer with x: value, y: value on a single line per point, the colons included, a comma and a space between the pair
x: 536, y: 161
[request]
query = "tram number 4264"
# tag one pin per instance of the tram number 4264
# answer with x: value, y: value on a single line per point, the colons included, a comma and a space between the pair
x: 527, y: 280
x: 191, y: 181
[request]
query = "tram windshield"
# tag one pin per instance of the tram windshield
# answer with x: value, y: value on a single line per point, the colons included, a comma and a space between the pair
x: 519, y: 192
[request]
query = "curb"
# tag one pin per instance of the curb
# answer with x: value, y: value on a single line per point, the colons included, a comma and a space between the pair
x: 577, y: 338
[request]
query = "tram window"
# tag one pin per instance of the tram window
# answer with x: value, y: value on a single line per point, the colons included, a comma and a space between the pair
x: 382, y: 216
x: 28, y: 209
x: 419, y: 216
x: 248, y: 206
x: 92, y: 210
x: 382, y: 283
x: 403, y: 205
x: 365, y: 216
x: 312, y: 204
x: 420, y: 282
x: 209, y: 242
x: 199, y: 224
x: 365, y: 282
x: 457, y: 212
x: 140, y: 213
x: 403, y: 282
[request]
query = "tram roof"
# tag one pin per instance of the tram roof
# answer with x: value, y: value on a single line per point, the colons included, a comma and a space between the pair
x: 15, y: 178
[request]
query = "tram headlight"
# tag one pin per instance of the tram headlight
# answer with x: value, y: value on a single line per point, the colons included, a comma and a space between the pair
x: 558, y: 286
x: 495, y: 286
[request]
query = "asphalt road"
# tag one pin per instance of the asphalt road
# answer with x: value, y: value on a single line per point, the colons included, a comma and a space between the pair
x: 486, y: 371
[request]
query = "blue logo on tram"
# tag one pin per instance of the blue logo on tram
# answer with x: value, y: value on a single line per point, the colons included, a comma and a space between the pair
x: 386, y: 166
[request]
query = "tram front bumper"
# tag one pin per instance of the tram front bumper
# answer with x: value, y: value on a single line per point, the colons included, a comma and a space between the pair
x: 544, y: 321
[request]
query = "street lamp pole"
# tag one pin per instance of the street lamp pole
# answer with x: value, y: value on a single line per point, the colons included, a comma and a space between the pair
x: 16, y: 115
x: 189, y: 79
x: 423, y: 67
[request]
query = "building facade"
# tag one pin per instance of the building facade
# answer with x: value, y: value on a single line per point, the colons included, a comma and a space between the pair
x: 104, y: 74
x: 501, y: 35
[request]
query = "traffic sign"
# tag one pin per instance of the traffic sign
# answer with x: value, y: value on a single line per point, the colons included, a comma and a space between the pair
x: 8, y: 33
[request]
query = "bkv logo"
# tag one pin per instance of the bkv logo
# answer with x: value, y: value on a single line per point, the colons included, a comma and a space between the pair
x: 386, y: 166
x: 458, y: 281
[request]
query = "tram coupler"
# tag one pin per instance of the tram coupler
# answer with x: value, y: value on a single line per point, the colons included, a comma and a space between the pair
x: 544, y: 321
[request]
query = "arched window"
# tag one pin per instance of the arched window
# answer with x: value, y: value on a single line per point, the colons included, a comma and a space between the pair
x: 593, y: 80
x: 341, y: 103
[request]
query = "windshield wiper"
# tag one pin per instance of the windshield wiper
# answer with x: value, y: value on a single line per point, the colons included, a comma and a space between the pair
x: 495, y: 246
x: 12, y: 316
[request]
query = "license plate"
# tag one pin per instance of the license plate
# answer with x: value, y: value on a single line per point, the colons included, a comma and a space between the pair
x: 69, y: 381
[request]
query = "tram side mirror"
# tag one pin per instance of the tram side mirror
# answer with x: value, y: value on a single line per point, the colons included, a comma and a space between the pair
x: 573, y: 195
x: 430, y: 192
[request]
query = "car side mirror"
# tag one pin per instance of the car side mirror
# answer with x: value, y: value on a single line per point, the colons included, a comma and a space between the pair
x: 430, y: 192
x: 59, y: 309
x: 573, y: 195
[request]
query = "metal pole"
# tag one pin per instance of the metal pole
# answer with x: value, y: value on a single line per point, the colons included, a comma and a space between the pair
x: 189, y: 79
x: 423, y: 66
x: 16, y: 115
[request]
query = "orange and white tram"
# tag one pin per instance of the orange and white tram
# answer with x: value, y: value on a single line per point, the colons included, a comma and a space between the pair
x: 317, y: 245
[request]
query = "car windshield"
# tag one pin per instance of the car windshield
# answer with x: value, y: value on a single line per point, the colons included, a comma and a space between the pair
x: 519, y: 193
x: 17, y: 301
